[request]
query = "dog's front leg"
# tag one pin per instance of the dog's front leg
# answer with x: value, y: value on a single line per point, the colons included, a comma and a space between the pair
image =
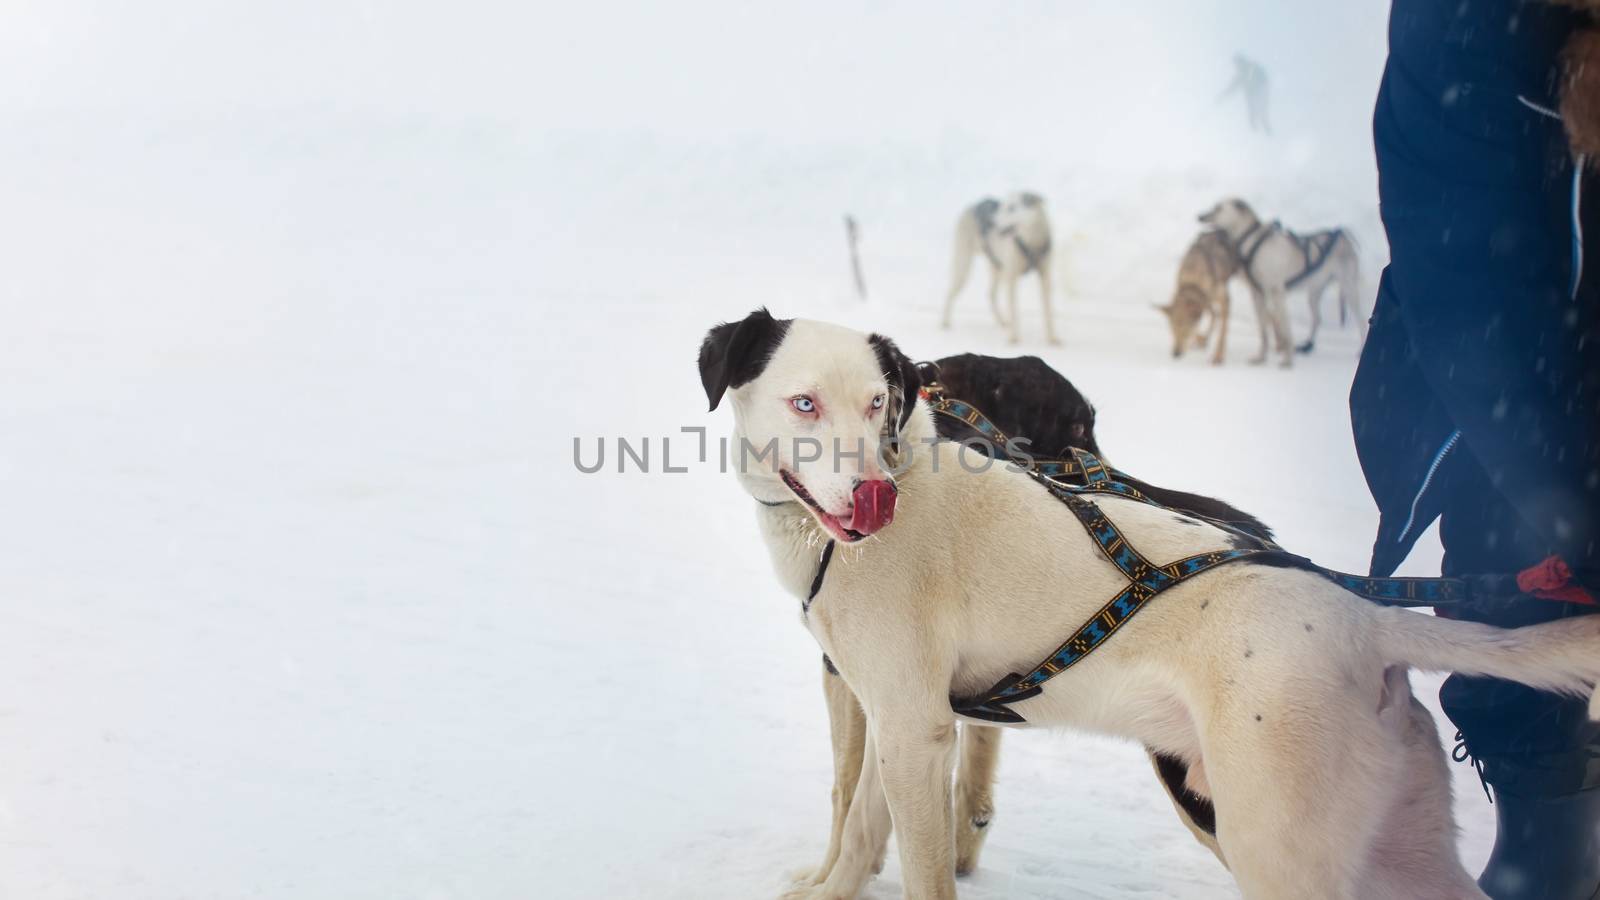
x: 915, y: 754
x: 1260, y: 303
x: 994, y: 295
x: 1011, y: 307
x: 847, y: 727
x: 866, y: 834
x: 1044, y: 297
x: 1219, y: 324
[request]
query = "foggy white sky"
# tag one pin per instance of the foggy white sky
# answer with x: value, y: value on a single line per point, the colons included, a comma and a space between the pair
x: 468, y: 144
x: 1093, y: 78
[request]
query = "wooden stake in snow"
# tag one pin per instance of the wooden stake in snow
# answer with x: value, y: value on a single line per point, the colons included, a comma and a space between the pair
x: 853, y: 235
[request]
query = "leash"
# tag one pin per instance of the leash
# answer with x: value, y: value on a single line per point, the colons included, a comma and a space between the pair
x: 1071, y: 479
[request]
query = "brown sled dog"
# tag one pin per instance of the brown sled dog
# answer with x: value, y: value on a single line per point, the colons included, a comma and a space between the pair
x: 1201, y: 296
x: 1024, y: 397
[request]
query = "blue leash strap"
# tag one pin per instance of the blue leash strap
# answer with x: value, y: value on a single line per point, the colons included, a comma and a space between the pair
x: 1394, y: 591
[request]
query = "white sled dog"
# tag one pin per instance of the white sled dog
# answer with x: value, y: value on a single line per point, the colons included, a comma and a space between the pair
x: 1275, y: 260
x: 1014, y: 235
x: 1286, y: 696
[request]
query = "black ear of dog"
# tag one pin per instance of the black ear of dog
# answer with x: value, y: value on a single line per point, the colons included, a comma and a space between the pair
x: 734, y: 353
x: 902, y: 374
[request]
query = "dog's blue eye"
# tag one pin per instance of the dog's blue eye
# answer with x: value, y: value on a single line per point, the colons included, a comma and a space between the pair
x: 804, y: 404
x: 877, y: 402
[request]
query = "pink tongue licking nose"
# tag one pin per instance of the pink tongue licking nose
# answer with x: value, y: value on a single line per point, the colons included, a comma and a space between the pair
x: 874, y: 506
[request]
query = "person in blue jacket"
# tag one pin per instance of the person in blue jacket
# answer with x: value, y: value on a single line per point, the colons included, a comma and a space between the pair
x: 1477, y: 400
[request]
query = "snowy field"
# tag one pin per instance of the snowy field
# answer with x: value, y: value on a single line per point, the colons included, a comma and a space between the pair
x: 303, y: 305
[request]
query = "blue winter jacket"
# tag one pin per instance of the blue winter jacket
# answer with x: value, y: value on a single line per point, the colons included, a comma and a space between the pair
x: 1484, y: 339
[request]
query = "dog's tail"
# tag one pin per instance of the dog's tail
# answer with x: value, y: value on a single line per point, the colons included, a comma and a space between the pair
x: 1349, y: 285
x: 1562, y: 657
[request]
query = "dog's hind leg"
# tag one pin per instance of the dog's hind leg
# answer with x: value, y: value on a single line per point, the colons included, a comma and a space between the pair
x: 1299, y: 784
x: 847, y: 727
x: 961, y: 265
x: 961, y: 256
x: 1414, y: 856
x: 980, y: 756
x: 1314, y: 297
x: 1278, y: 312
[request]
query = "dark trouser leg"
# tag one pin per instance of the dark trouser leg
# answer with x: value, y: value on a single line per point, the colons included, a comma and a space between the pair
x: 1539, y: 752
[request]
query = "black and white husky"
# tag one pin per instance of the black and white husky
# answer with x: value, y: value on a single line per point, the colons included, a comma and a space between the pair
x: 1286, y: 696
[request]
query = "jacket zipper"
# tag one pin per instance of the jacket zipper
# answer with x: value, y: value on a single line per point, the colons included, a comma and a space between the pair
x: 1433, y: 468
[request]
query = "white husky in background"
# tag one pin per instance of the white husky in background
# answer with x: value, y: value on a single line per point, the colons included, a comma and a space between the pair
x: 1285, y: 695
x: 1014, y: 235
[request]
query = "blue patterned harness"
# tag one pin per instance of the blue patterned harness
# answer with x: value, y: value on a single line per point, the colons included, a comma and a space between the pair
x: 1070, y: 480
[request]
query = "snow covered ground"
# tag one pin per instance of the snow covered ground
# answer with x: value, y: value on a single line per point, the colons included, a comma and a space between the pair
x: 304, y: 305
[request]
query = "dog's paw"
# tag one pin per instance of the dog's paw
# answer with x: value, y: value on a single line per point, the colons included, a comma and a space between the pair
x: 1216, y: 360
x: 1053, y: 341
x: 811, y: 892
x: 1257, y: 360
x: 1286, y: 363
x: 970, y: 833
x: 808, y: 876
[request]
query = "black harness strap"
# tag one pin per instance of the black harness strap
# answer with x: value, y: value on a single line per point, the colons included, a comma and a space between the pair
x: 1247, y: 257
x: 1316, y: 248
x: 816, y: 580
